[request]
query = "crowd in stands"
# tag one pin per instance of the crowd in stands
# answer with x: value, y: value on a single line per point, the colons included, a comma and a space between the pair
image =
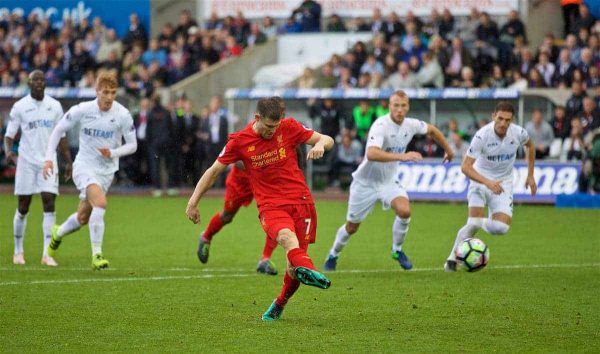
x: 469, y: 52
x: 72, y: 54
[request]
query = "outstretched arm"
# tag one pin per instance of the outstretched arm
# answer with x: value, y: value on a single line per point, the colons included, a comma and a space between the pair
x: 375, y: 153
x: 439, y: 138
x: 206, y: 181
x: 59, y: 130
x: 320, y: 143
x: 530, y: 155
x: 63, y: 145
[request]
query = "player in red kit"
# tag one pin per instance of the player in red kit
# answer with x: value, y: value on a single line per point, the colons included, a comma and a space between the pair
x: 267, y: 148
x: 238, y: 193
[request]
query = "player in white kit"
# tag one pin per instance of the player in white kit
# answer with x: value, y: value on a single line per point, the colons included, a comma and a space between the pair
x: 489, y: 164
x: 376, y: 177
x: 103, y: 124
x: 35, y: 115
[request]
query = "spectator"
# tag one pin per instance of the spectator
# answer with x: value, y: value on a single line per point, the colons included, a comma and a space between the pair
x: 382, y: 108
x: 564, y: 69
x: 185, y: 23
x: 219, y: 128
x: 467, y: 31
x: 329, y: 116
x: 363, y: 116
x: 575, y: 103
x: 348, y: 155
x: 109, y: 43
x: 255, y: 36
x: 154, y: 52
x: 455, y: 58
x: 268, y: 27
x: 584, y: 20
x: 430, y: 75
x: 512, y: 29
x: 346, y: 80
x: 309, y: 14
x: 559, y: 123
x: 549, y: 47
x: 232, y: 49
x: 573, y: 148
x: 570, y: 10
x: 428, y: 148
x: 135, y: 34
x: 326, y: 79
x: 546, y: 68
x: 336, y: 24
x: 590, y: 116
x: 403, y: 78
x: 446, y: 26
x: 377, y: 22
x: 371, y: 66
x: 158, y: 140
x: 307, y: 80
x: 467, y: 78
x: 393, y: 27
x: 291, y: 26
x: 189, y: 124
x: 541, y: 133
x: 497, y: 80
x: 535, y: 79
x: 140, y: 120
x: 208, y: 53
x: 458, y: 146
x: 240, y: 27
x: 79, y: 63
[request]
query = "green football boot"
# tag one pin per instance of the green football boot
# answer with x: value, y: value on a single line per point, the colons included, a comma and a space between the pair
x: 54, y: 242
x: 273, y: 313
x: 99, y: 262
x: 312, y: 278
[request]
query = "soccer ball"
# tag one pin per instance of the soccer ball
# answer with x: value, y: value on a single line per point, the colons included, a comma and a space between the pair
x: 473, y: 254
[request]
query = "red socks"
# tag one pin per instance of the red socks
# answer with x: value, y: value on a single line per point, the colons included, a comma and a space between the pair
x: 214, y: 226
x: 269, y: 247
x: 299, y: 258
x: 290, y: 285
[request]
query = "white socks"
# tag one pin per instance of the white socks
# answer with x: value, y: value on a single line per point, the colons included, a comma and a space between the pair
x: 97, y: 229
x: 47, y: 223
x: 399, y: 230
x: 69, y: 226
x: 341, y: 239
x: 467, y: 231
x: 492, y: 227
x: 495, y: 227
x: 19, y: 225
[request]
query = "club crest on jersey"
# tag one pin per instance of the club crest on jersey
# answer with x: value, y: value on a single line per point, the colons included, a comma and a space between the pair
x: 282, y: 153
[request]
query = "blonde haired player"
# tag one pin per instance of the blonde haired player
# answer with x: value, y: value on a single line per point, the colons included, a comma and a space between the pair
x: 103, y: 124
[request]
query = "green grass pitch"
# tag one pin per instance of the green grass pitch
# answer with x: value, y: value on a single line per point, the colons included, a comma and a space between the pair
x: 539, y: 293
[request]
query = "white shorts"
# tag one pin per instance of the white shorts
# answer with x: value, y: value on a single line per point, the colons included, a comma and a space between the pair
x: 30, y: 180
x: 362, y: 198
x: 480, y: 196
x: 85, y: 178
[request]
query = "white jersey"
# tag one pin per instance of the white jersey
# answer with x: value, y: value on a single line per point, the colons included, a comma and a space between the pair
x: 36, y: 119
x: 97, y: 130
x: 495, y: 157
x: 390, y: 137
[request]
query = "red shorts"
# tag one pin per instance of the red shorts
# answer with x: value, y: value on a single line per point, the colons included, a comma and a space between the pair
x: 238, y: 193
x: 235, y: 199
x: 300, y: 218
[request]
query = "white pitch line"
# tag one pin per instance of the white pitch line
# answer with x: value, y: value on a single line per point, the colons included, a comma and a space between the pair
x: 244, y: 275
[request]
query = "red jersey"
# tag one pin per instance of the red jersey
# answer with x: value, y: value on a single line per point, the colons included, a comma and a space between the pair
x: 238, y: 178
x: 272, y: 164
